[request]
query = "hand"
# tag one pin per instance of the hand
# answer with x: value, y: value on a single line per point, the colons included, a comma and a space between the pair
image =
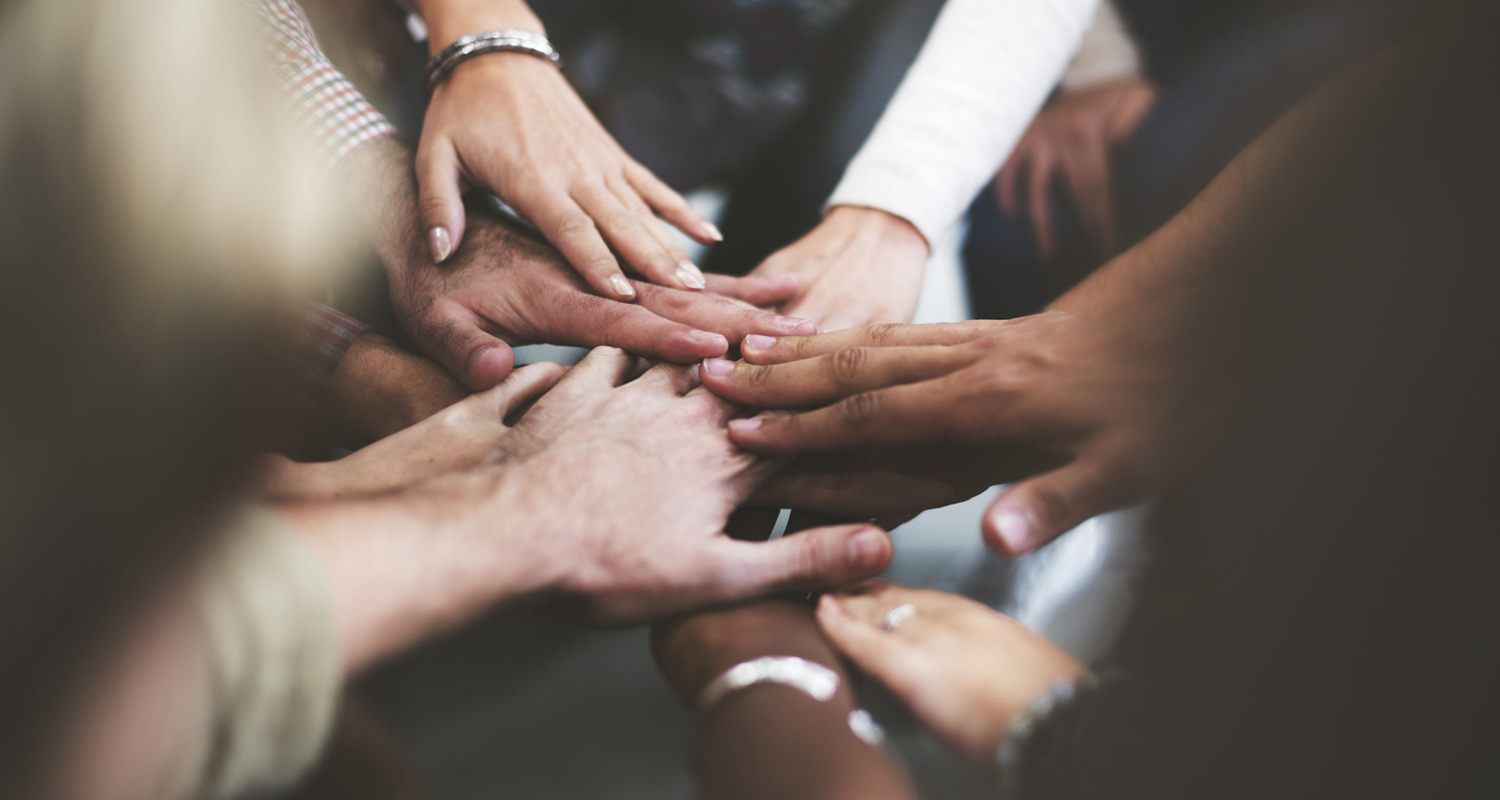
x: 503, y: 289
x: 511, y: 123
x: 457, y: 438
x: 859, y: 266
x: 1077, y: 136
x: 1109, y: 407
x: 890, y: 486
x: 627, y: 488
x: 379, y: 389
x: 963, y: 669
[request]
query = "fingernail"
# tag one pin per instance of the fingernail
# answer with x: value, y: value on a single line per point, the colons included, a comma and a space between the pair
x: 793, y: 324
x: 866, y: 550
x: 757, y: 342
x: 440, y: 242
x: 621, y: 286
x: 712, y: 232
x: 1015, y: 529
x: 717, y: 367
x: 745, y: 425
x: 830, y: 605
x: 710, y: 338
x: 689, y: 274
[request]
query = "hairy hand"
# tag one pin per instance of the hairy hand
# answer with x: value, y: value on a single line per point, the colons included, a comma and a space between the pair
x: 502, y: 289
x: 963, y: 669
x: 859, y: 266
x: 1076, y: 137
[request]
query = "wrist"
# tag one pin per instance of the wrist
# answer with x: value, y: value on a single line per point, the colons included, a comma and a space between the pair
x: 694, y: 650
x: 892, y: 230
x: 450, y: 20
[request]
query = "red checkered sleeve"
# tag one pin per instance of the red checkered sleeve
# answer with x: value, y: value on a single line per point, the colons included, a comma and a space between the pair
x: 321, y: 98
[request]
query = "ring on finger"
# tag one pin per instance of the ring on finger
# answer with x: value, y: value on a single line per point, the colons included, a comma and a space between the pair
x: 897, y: 615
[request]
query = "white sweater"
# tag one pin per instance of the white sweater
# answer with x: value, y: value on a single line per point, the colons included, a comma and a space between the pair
x: 985, y: 70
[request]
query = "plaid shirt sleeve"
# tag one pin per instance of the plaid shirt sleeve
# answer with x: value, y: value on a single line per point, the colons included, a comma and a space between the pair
x: 321, y: 98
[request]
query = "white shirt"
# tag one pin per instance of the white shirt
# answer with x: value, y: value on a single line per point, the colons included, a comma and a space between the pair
x: 983, y: 73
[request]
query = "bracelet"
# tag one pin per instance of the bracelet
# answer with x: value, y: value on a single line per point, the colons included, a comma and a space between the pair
x: 815, y: 680
x: 1025, y: 725
x: 478, y: 44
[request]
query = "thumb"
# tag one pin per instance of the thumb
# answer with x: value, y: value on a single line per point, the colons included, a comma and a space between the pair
x: 440, y: 203
x: 1033, y: 512
x: 815, y: 558
x: 477, y: 359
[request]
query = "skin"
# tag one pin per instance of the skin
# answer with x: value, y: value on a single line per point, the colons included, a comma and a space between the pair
x: 858, y: 267
x: 771, y: 741
x: 457, y: 438
x: 501, y: 289
x: 511, y: 123
x: 963, y: 669
x: 379, y: 389
x: 1076, y: 138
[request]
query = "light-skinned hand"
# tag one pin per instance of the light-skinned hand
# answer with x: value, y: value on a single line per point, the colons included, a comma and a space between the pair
x: 858, y: 267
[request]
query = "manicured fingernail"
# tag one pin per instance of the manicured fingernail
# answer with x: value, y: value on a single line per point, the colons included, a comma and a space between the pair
x: 712, y: 232
x: 717, y: 367
x: 689, y: 274
x: 745, y: 425
x: 791, y: 324
x: 621, y: 286
x: 440, y: 242
x: 710, y: 338
x: 757, y: 342
x: 866, y: 550
x: 1015, y: 529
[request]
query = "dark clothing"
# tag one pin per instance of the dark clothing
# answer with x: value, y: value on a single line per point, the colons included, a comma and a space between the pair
x: 1320, y: 618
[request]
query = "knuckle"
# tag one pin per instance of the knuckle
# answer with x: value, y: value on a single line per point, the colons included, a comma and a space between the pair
x: 845, y: 366
x: 882, y: 334
x: 860, y: 410
x: 576, y: 225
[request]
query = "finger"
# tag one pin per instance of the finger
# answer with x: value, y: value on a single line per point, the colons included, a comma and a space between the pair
x: 440, y: 204
x: 669, y: 377
x: 869, y: 647
x: 569, y: 228
x: 724, y: 317
x: 524, y: 387
x: 603, y: 366
x: 622, y: 229
x: 1087, y: 174
x: 766, y: 350
x: 916, y: 413
x: 1040, y: 179
x: 757, y: 290
x: 687, y: 274
x: 826, y: 379
x: 598, y: 321
x: 1033, y: 512
x: 477, y: 359
x: 1005, y: 182
x: 671, y: 205
x: 812, y: 559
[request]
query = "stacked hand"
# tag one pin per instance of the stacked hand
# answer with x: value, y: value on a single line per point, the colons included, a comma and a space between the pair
x: 963, y: 669
x: 1100, y: 407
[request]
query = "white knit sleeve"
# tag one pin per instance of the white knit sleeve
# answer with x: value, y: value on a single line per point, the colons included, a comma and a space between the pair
x: 985, y: 70
x: 1108, y: 53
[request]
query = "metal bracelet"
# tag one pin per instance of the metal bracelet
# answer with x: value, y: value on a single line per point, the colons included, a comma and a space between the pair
x: 815, y: 680
x: 478, y: 44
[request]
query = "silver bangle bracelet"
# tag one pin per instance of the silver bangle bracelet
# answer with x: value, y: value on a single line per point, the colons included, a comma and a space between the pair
x: 815, y: 680
x: 478, y: 44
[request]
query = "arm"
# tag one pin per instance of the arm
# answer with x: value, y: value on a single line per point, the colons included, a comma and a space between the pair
x: 511, y: 122
x: 985, y: 70
x: 772, y: 741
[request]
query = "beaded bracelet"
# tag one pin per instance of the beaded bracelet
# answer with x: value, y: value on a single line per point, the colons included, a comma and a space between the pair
x: 1018, y: 734
x: 478, y: 44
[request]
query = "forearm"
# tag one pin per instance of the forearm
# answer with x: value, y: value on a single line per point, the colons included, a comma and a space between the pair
x: 380, y: 389
x: 772, y: 741
x: 404, y: 567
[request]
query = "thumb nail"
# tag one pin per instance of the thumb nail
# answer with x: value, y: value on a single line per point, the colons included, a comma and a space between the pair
x: 867, y: 549
x: 1015, y: 529
x: 441, y: 244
